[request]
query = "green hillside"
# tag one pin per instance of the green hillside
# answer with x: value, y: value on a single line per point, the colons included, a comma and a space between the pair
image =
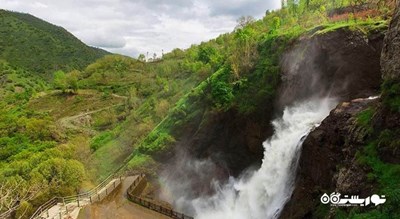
x: 36, y: 45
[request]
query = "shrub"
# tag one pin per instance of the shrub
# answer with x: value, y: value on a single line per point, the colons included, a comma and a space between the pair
x: 391, y: 94
x: 101, y: 140
x: 364, y: 119
x: 156, y: 142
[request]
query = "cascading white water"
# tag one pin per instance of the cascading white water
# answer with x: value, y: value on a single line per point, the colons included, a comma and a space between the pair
x: 263, y: 194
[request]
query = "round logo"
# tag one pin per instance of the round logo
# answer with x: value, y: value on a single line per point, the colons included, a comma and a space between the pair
x: 335, y: 198
x: 325, y: 199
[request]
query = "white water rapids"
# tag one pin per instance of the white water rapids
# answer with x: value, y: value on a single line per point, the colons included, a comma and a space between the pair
x: 262, y: 194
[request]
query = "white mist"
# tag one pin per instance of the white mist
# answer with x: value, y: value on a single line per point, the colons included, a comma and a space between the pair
x: 262, y: 195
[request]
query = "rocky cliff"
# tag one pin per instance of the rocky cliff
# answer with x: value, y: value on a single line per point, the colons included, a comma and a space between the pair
x: 343, y: 63
x: 328, y: 163
x: 391, y: 50
x: 355, y: 149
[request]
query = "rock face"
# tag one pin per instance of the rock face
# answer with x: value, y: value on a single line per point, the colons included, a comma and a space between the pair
x: 213, y: 147
x: 328, y: 160
x: 230, y: 140
x: 341, y: 63
x: 391, y: 51
x: 328, y: 163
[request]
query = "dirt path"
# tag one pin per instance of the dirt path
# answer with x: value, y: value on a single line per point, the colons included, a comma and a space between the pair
x: 68, y: 122
x: 116, y: 205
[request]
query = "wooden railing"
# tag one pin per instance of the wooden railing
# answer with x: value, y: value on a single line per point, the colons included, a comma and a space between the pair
x: 45, y: 207
x: 97, y: 194
x: 81, y: 199
x: 150, y: 205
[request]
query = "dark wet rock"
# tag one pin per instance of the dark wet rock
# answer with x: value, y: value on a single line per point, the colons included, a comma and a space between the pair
x: 391, y: 50
x: 342, y: 63
x: 328, y: 162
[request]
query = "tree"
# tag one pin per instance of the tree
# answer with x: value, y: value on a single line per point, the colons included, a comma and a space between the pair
x: 72, y: 80
x: 142, y: 58
x: 276, y: 24
x: 14, y: 190
x: 244, y: 21
x: 60, y: 80
x: 245, y: 52
x: 38, y: 129
x: 292, y: 6
x: 221, y: 93
x: 63, y: 176
x: 221, y: 90
x: 205, y: 53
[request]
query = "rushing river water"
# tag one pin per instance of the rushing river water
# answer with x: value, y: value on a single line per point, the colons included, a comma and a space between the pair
x: 263, y: 193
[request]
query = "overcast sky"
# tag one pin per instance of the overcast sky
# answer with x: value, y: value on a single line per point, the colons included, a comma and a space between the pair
x: 131, y: 27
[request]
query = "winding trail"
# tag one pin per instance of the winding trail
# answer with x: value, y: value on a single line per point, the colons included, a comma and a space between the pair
x: 68, y: 122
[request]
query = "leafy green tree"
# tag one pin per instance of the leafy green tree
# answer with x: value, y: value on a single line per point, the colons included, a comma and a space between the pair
x: 209, y: 55
x: 72, y: 80
x: 38, y: 129
x: 241, y: 59
x: 276, y: 24
x: 205, y: 53
x: 60, y: 80
x: 62, y: 175
x: 221, y: 90
x: 222, y: 94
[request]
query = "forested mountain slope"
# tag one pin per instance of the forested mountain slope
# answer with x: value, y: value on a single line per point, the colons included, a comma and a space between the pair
x: 33, y: 44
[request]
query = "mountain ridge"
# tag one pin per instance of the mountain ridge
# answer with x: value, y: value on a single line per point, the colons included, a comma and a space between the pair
x: 39, y: 46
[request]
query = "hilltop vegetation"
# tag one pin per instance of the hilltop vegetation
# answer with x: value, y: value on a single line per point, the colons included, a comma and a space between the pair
x: 248, y: 71
x: 32, y: 44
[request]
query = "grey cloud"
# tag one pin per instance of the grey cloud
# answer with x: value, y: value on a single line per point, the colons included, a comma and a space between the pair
x: 169, y: 3
x: 131, y: 27
x: 238, y: 8
x: 106, y: 41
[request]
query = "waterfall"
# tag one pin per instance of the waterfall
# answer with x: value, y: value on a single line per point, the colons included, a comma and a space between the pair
x: 263, y: 193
